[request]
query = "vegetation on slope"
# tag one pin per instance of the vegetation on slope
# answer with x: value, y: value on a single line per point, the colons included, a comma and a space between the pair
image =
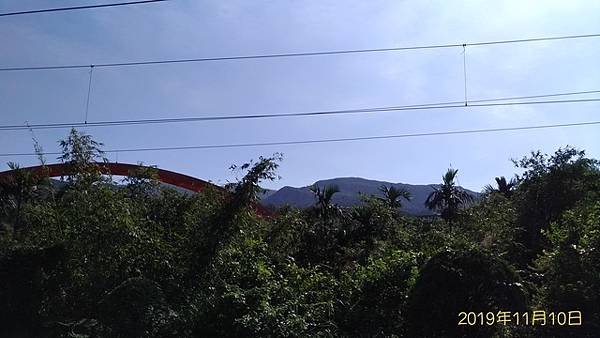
x: 90, y: 260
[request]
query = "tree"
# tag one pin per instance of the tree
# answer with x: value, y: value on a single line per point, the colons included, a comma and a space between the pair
x: 374, y: 305
x: 81, y: 152
x: 454, y: 281
x: 493, y: 225
x: 323, y: 199
x: 107, y: 259
x: 502, y: 187
x: 448, y: 198
x: 244, y: 193
x: 247, y: 189
x: 18, y: 189
x: 570, y: 269
x: 549, y: 186
x: 392, y: 196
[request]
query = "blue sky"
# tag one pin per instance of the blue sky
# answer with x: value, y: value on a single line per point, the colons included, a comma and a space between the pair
x: 187, y: 29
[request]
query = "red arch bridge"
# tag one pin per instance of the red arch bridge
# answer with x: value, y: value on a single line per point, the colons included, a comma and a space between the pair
x: 125, y: 169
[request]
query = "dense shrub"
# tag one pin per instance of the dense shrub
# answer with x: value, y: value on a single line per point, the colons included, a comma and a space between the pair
x: 90, y: 257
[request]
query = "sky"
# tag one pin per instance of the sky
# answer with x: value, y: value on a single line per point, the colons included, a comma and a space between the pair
x: 192, y: 28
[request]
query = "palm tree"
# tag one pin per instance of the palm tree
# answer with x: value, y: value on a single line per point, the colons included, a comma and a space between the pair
x: 449, y: 197
x: 503, y: 187
x: 392, y: 195
x: 323, y: 198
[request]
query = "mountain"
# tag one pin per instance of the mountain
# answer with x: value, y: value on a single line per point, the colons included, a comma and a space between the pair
x: 266, y: 193
x: 350, y: 187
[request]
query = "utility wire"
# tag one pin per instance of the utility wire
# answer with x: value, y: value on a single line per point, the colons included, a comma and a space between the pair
x: 372, y: 110
x: 465, y: 71
x: 286, y: 55
x: 539, y: 96
x: 61, y: 9
x: 331, y: 140
x: 87, y: 102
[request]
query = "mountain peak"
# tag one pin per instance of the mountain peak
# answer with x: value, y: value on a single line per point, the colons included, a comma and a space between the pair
x: 350, y: 187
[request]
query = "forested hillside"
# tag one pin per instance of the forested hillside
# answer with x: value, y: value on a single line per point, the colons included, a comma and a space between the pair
x: 352, y: 189
x: 88, y: 260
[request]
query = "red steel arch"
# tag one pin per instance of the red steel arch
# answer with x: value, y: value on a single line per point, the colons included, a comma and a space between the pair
x: 121, y: 169
x: 126, y: 169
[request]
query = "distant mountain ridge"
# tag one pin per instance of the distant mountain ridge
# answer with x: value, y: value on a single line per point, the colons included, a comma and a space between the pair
x: 350, y: 187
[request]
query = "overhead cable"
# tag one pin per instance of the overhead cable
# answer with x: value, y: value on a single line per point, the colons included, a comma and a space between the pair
x: 369, y: 110
x: 300, y: 54
x: 71, y: 8
x: 330, y: 140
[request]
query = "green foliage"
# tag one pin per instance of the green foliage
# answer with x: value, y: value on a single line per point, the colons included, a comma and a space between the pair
x: 448, y: 198
x: 250, y: 293
x: 16, y: 191
x: 375, y: 295
x: 137, y: 308
x: 502, y: 187
x: 392, y: 195
x: 82, y: 153
x: 323, y: 201
x: 97, y: 258
x: 462, y: 281
x: 549, y: 186
x: 493, y: 224
x: 571, y: 269
x: 247, y: 189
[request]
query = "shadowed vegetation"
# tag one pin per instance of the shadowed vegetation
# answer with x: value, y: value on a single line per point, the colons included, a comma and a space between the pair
x: 91, y: 257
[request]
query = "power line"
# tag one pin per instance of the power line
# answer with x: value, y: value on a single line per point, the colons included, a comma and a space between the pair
x: 331, y: 140
x: 425, y: 106
x: 465, y: 70
x: 61, y: 9
x: 539, y: 96
x: 302, y: 54
x: 87, y: 102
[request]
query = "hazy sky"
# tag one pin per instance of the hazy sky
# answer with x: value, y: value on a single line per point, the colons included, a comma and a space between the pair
x: 188, y: 29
